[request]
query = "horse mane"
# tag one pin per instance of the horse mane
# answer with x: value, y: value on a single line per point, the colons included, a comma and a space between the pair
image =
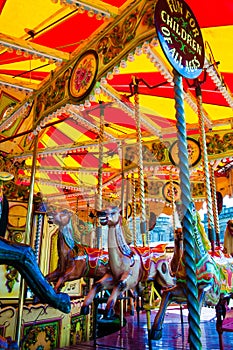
x: 126, y: 231
x: 203, y: 234
x: 76, y: 233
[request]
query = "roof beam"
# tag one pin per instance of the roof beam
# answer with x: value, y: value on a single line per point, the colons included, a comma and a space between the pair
x: 29, y: 48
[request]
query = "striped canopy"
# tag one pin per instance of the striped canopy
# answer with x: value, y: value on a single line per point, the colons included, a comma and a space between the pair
x: 80, y: 139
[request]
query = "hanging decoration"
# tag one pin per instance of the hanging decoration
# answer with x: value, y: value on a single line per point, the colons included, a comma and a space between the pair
x: 83, y: 76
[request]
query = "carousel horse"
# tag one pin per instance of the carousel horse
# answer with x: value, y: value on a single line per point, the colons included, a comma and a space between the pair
x: 22, y: 257
x: 129, y: 265
x: 228, y: 238
x: 214, y: 273
x: 75, y: 260
x: 178, y: 250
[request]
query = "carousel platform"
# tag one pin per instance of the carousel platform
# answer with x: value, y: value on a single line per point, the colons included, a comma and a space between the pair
x: 134, y: 335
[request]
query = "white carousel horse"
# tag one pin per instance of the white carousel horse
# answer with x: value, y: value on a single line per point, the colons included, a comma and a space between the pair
x: 129, y: 265
x: 214, y: 273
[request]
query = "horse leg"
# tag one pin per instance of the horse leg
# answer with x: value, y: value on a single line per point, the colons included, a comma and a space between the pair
x: 169, y: 295
x: 106, y: 282
x: 53, y: 276
x: 132, y: 297
x: 120, y: 287
x: 67, y: 275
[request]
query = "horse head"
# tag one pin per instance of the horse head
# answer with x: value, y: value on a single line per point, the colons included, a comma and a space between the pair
x: 59, y: 216
x: 230, y: 226
x: 111, y: 216
x: 163, y: 274
x: 68, y: 222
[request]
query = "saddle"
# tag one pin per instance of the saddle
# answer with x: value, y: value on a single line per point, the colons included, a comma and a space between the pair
x: 95, y: 256
x: 145, y: 255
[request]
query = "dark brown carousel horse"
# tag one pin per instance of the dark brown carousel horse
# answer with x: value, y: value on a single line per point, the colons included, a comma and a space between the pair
x: 178, y: 250
x: 75, y: 260
x: 228, y: 238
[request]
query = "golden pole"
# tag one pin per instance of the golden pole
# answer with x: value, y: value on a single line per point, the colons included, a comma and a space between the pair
x: 144, y: 232
x: 100, y: 179
x: 134, y: 211
x: 27, y: 240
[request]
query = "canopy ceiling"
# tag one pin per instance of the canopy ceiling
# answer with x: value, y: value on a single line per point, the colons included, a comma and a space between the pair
x: 39, y: 38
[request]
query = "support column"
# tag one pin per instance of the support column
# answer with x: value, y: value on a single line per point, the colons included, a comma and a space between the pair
x: 100, y: 179
x: 27, y: 239
x: 205, y: 164
x: 143, y: 227
x: 189, y: 244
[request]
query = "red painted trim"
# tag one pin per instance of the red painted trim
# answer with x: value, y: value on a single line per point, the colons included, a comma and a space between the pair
x: 2, y: 4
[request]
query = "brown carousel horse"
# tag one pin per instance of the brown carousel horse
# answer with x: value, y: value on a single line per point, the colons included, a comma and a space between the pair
x: 214, y: 276
x: 228, y: 238
x: 129, y: 265
x: 75, y: 260
x: 178, y: 250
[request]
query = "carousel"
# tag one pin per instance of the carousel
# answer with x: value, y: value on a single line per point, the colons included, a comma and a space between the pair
x: 112, y: 114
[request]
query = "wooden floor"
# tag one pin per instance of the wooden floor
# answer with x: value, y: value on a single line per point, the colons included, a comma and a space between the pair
x: 134, y: 336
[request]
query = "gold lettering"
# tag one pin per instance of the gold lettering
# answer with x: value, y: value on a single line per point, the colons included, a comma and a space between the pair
x: 181, y: 32
x: 177, y: 58
x: 195, y: 32
x: 199, y: 49
x: 189, y: 40
x: 175, y: 6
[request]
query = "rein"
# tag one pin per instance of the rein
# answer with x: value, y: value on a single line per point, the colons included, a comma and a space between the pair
x: 121, y: 243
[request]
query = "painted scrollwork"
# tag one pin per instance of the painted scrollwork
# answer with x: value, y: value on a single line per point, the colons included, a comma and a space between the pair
x: 50, y: 335
x: 112, y: 45
x: 214, y: 144
x: 156, y: 152
x: 53, y: 95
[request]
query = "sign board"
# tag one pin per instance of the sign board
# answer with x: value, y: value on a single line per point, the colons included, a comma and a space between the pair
x: 180, y: 37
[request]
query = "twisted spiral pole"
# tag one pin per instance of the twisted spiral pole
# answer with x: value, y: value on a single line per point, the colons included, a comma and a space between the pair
x: 140, y: 167
x: 134, y: 211
x: 172, y: 200
x: 205, y: 164
x: 100, y: 175
x: 215, y: 206
x: 189, y: 244
x: 39, y: 229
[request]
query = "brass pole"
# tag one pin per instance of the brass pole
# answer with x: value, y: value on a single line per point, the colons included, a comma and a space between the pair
x: 27, y: 240
x: 100, y: 174
x: 144, y: 233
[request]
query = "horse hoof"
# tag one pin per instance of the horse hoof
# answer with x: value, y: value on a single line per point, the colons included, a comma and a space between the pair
x: 155, y: 334
x: 84, y: 310
x: 109, y: 314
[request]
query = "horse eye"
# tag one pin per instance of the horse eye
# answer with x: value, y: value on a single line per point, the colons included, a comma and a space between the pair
x: 164, y: 268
